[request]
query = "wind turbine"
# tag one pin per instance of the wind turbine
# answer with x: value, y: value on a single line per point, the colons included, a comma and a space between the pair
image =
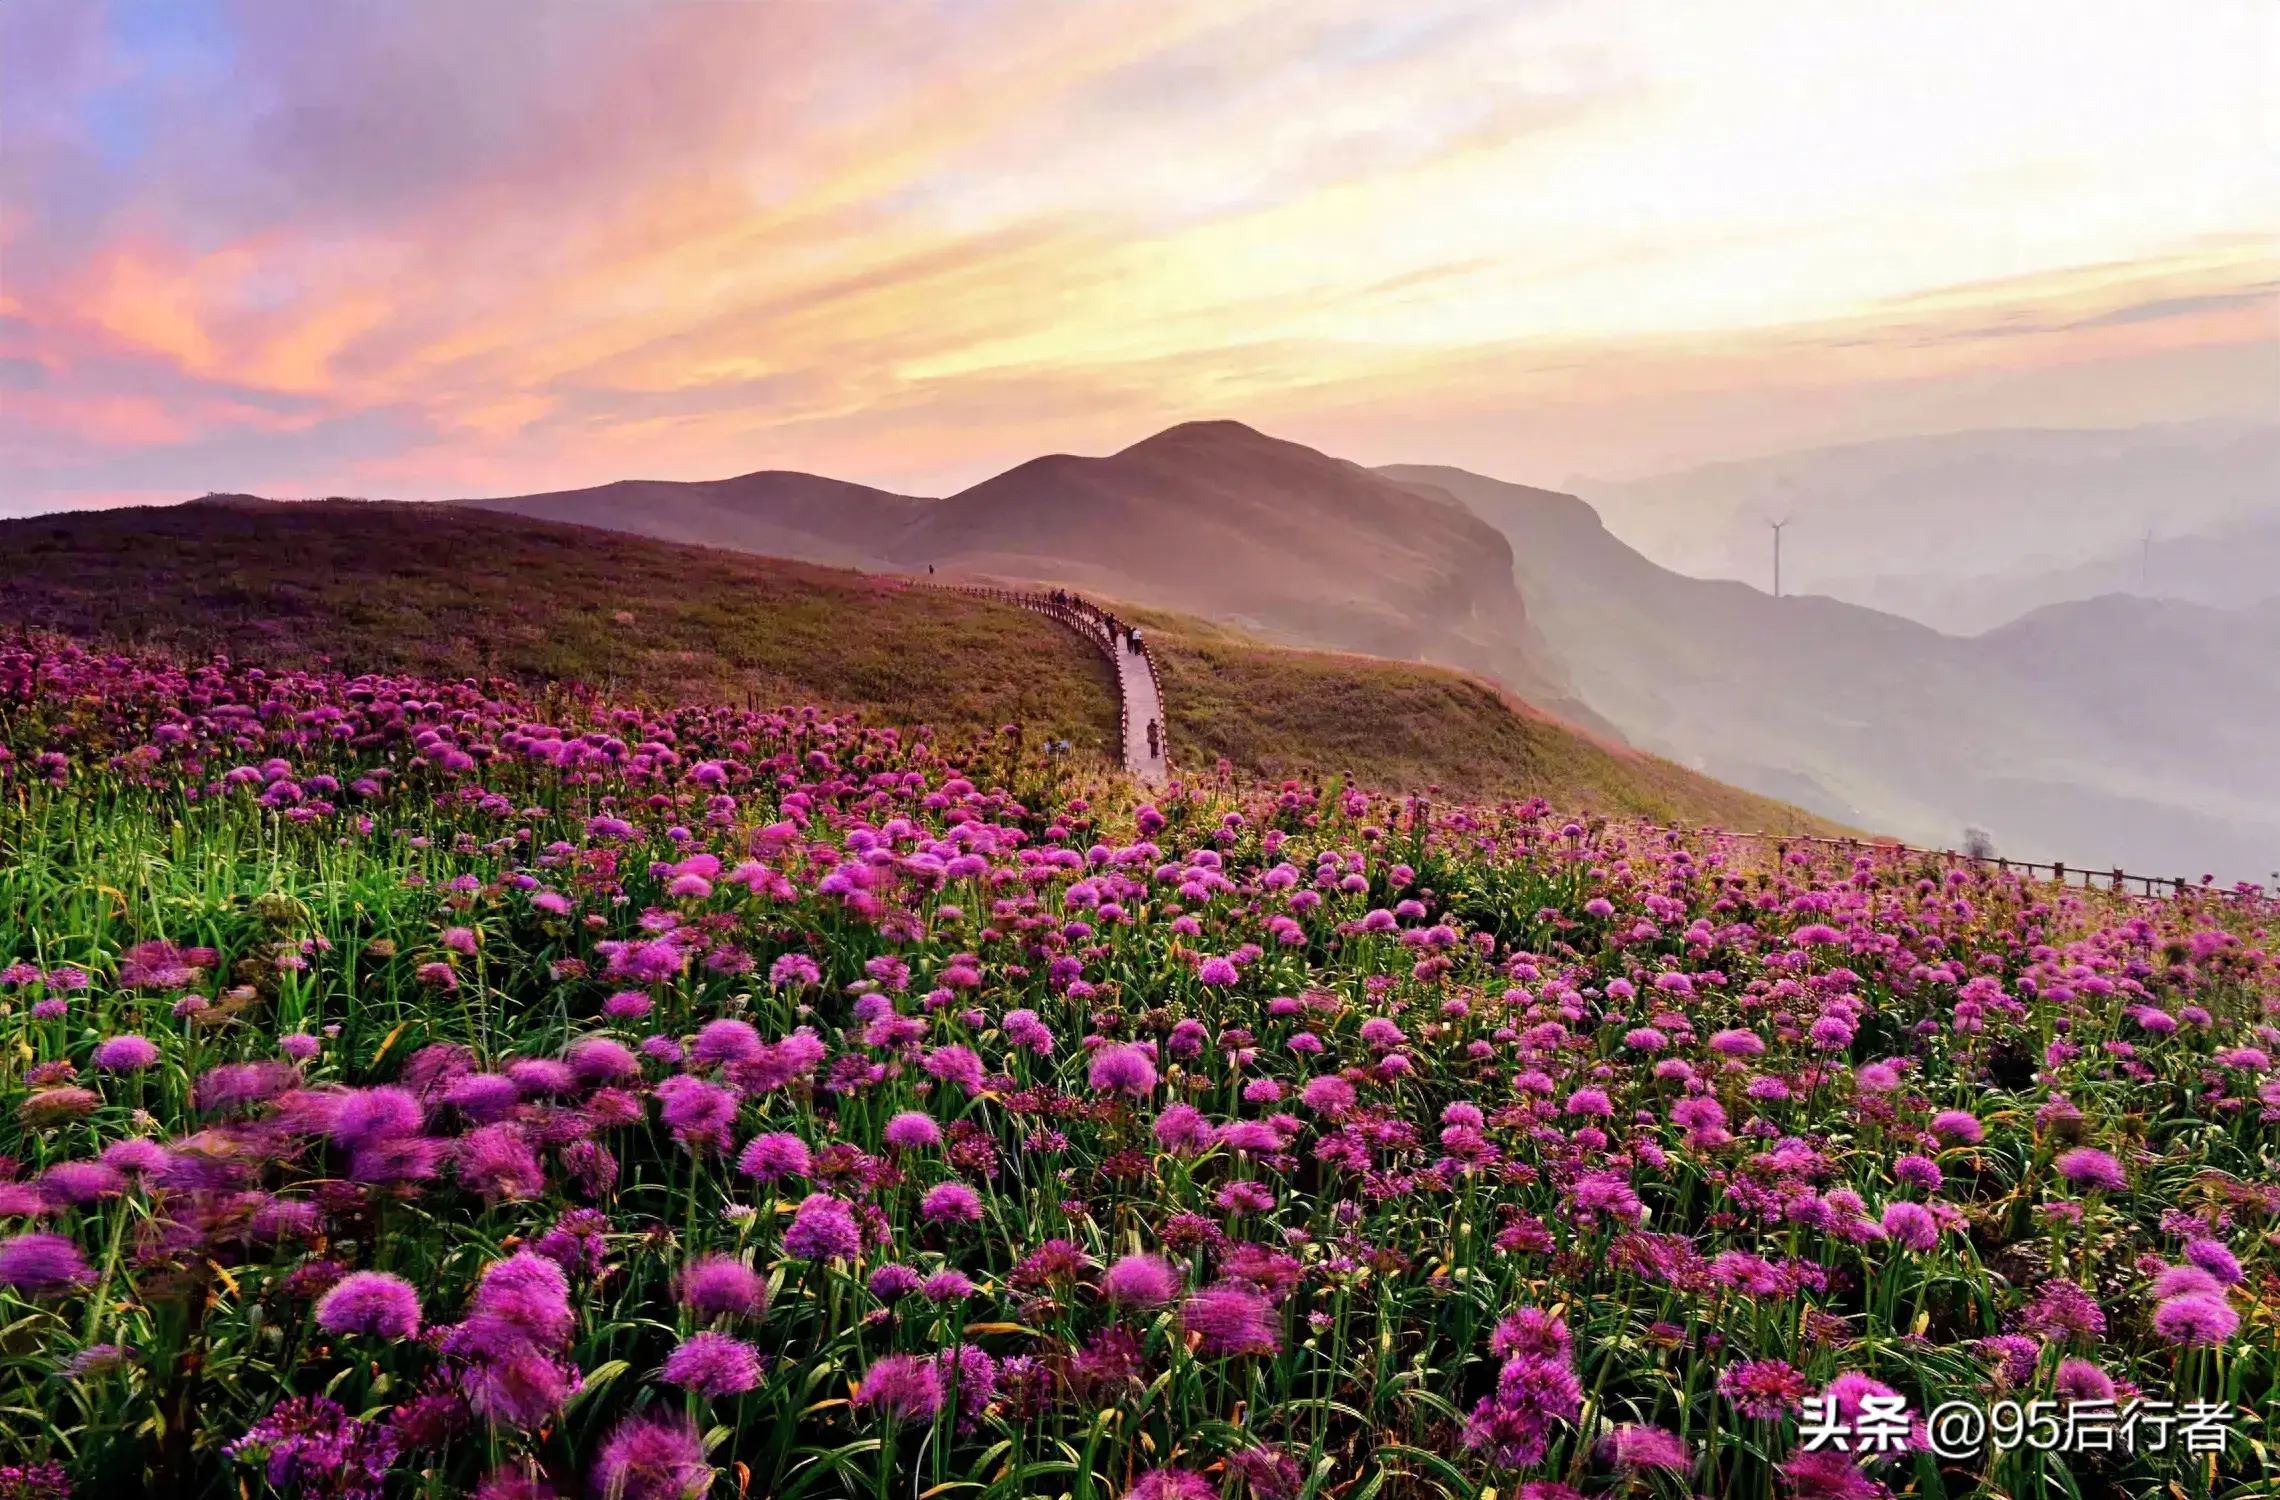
x: 1777, y: 525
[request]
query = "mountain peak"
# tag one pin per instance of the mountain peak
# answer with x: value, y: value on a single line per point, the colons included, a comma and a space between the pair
x: 1212, y: 431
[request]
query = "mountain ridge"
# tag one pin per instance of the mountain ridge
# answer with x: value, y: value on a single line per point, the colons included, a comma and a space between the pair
x: 1209, y: 518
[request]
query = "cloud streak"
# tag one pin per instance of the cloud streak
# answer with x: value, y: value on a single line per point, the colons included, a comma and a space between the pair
x: 422, y: 248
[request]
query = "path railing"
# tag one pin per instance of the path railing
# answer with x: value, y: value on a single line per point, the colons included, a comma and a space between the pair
x: 2058, y: 871
x: 1106, y: 633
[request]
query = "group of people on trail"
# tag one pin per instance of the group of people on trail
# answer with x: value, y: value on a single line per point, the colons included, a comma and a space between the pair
x: 1117, y: 630
x: 1129, y: 636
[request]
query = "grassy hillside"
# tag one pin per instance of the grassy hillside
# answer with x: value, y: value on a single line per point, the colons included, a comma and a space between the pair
x: 1280, y: 713
x: 454, y: 591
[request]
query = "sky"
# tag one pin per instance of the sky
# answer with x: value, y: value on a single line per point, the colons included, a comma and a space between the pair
x: 431, y: 248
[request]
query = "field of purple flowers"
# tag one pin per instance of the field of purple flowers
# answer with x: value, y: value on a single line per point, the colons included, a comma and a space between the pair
x: 412, y: 1088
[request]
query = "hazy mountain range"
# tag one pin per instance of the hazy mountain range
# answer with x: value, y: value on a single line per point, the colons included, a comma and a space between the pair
x: 1209, y: 518
x: 2110, y: 731
x: 1966, y: 530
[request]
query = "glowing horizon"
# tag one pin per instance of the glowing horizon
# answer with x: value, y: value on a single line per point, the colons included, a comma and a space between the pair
x: 425, y: 250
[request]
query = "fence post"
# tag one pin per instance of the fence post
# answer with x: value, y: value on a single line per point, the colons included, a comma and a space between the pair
x: 2058, y: 874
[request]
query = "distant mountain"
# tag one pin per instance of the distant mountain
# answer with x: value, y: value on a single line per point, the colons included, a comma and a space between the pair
x: 1210, y: 518
x: 1950, y: 528
x: 776, y: 512
x: 2113, y: 731
x: 2091, y: 732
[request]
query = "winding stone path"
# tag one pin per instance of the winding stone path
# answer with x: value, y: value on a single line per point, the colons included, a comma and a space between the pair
x: 1144, y: 753
x: 1140, y: 701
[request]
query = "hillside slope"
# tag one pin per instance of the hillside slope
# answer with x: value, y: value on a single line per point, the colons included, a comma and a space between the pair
x: 457, y: 591
x: 1877, y: 720
x: 448, y: 592
x: 1208, y: 518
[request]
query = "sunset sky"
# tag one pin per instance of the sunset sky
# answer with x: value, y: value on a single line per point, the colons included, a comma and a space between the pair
x: 426, y: 248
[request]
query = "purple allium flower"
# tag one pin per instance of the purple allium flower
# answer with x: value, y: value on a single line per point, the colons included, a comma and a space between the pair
x: 973, y: 1375
x: 1633, y: 1447
x: 2197, y: 1319
x: 947, y: 1286
x: 125, y: 1054
x: 957, y: 1065
x: 1590, y: 1102
x: 1531, y: 1330
x: 70, y: 1184
x: 41, y: 1265
x: 720, y: 1286
x: 136, y: 1156
x: 309, y: 1443
x: 96, y: 1359
x: 1918, y: 1171
x: 483, y: 1097
x: 1911, y: 1225
x: 529, y: 1294
x: 1825, y: 1474
x: 1141, y: 1281
x: 371, y: 1302
x: 233, y: 1086
x: 912, y: 1130
x: 2015, y: 1355
x: 2080, y: 1380
x: 1182, y: 1130
x: 365, y: 1116
x: 1514, y: 1424
x: 300, y: 1046
x: 2212, y: 1257
x: 725, y: 1041
x: 823, y: 1228
x: 1244, y: 1197
x: 522, y: 1388
x: 1958, y: 1127
x: 1765, y: 1389
x: 701, y: 1115
x: 1271, y: 1473
x: 2186, y: 1281
x: 951, y: 1203
x: 712, y: 1364
x: 892, y: 1282
x: 2088, y: 1167
x: 159, y: 965
x: 1231, y: 1319
x: 1851, y: 1388
x: 1327, y: 1094
x: 1122, y: 1068
x: 1172, y: 1484
x: 2062, y: 1310
x: 773, y: 1157
x: 901, y: 1388
x: 600, y: 1060
x: 497, y: 1161
x: 628, y: 1005
x: 794, y: 969
x: 651, y: 1458
x: 540, y: 1077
